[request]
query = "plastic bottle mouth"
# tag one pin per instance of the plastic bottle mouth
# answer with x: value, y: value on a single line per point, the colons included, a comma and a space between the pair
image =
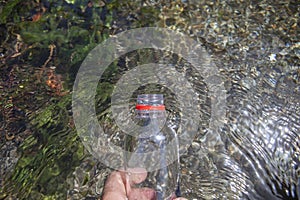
x: 150, y: 99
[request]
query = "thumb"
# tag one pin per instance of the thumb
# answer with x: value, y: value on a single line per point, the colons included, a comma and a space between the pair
x: 137, y: 175
x: 133, y: 176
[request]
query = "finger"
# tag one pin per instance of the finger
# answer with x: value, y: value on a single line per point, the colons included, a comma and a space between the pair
x: 114, y: 187
x: 142, y: 194
x: 180, y: 198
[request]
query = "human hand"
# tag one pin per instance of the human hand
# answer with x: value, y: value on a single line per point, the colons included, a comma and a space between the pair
x: 119, y: 186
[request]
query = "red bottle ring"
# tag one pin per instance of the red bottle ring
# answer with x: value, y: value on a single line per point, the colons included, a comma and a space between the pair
x: 148, y: 107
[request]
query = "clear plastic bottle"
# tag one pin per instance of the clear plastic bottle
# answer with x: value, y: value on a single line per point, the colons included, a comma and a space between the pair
x: 156, y: 148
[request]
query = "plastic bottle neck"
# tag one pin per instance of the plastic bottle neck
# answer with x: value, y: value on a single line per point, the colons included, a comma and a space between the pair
x: 150, y: 106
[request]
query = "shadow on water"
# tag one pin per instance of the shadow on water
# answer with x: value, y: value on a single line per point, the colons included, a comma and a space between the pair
x: 255, y: 46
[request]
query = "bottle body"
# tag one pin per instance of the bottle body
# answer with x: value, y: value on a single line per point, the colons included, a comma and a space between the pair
x: 156, y: 149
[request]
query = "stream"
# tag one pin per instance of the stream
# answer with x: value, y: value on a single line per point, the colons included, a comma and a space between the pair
x: 249, y: 49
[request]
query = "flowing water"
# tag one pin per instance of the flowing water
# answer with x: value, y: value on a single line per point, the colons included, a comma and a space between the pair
x: 255, y: 47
